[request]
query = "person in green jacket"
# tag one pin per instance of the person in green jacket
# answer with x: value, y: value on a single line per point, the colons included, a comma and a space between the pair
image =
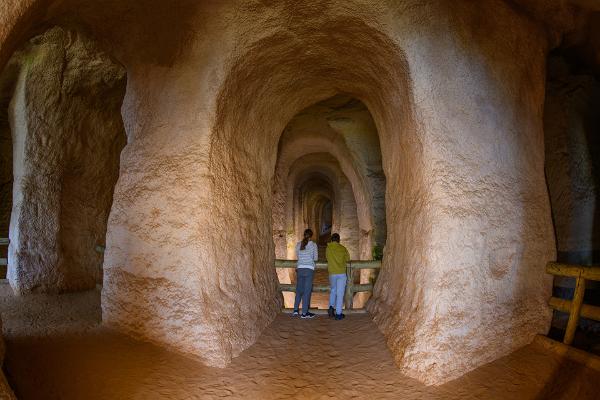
x: 337, y: 258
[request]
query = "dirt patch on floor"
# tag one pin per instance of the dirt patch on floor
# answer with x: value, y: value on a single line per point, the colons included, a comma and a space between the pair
x: 302, y: 359
x: 48, y: 314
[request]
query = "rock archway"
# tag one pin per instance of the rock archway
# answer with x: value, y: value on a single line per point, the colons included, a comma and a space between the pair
x: 431, y: 206
x: 313, y: 195
x: 367, y: 78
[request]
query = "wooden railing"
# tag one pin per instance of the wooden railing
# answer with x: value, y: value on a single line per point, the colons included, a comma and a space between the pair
x: 351, y: 287
x: 574, y: 307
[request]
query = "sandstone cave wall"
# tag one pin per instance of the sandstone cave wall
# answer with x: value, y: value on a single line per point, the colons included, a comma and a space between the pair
x: 458, y: 107
x: 484, y: 218
x: 468, y: 217
x: 67, y: 135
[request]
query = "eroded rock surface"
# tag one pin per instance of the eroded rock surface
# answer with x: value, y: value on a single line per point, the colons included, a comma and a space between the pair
x: 458, y: 108
x: 67, y: 135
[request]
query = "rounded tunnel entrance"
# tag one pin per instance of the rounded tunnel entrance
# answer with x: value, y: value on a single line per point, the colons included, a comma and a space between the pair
x: 329, y: 177
x: 353, y: 65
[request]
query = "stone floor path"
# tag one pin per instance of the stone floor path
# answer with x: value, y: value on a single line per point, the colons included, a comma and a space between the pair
x: 293, y: 359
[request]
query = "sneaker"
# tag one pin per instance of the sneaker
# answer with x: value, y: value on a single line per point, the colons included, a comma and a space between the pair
x: 331, y: 312
x: 295, y: 313
x: 307, y: 315
x: 339, y: 316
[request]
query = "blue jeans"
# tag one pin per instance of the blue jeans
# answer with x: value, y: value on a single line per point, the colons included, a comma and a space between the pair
x: 304, y: 282
x: 337, y: 282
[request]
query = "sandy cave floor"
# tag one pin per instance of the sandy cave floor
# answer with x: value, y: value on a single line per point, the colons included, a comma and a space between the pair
x: 56, y: 349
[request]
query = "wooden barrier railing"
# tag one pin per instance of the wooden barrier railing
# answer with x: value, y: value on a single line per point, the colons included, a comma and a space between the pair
x: 574, y: 307
x: 351, y: 287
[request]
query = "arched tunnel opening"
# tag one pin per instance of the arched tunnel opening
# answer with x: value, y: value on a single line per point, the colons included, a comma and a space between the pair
x: 328, y: 157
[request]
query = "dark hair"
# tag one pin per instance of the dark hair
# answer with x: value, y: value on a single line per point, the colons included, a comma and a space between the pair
x: 307, y: 235
x: 335, y: 237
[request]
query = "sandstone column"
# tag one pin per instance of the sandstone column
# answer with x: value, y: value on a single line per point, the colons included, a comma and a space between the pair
x: 467, y: 247
x: 67, y: 136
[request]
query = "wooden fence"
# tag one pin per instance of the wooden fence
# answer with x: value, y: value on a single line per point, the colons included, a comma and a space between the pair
x: 575, y: 307
x: 351, y: 287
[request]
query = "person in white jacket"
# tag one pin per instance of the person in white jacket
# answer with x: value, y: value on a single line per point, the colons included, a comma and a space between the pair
x: 307, y: 253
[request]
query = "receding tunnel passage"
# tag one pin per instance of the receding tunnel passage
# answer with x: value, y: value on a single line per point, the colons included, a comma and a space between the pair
x: 329, y: 164
x: 335, y: 137
x: 61, y: 136
x: 313, y: 196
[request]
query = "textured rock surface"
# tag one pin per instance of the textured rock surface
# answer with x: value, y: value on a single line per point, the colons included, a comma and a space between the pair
x: 476, y: 240
x: 6, y: 392
x: 458, y: 107
x: 67, y: 136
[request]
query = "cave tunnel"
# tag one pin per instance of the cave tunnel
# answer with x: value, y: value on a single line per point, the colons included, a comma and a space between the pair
x: 160, y: 161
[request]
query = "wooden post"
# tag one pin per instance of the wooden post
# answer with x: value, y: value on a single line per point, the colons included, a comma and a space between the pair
x: 349, y: 294
x: 575, y: 310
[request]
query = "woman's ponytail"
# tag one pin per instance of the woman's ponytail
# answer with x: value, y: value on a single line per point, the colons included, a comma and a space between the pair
x: 307, y: 235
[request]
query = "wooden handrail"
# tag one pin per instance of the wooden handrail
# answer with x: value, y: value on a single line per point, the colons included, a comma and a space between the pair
x: 351, y: 287
x: 575, y: 308
x: 365, y: 264
x: 587, y: 311
x: 591, y: 273
x: 288, y: 287
x: 355, y: 264
x: 362, y: 287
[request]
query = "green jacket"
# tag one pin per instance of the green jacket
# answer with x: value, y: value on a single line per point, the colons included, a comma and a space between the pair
x: 337, y: 257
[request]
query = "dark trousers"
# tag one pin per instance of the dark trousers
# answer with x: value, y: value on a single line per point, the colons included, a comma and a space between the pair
x: 304, y: 282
